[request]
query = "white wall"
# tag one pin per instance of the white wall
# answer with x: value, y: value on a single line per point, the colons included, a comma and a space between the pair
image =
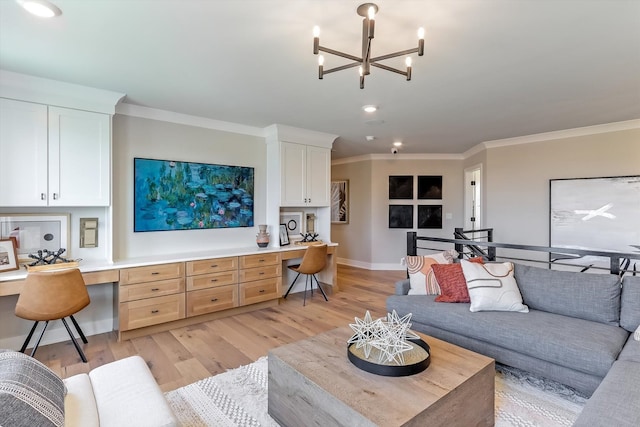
x: 139, y: 137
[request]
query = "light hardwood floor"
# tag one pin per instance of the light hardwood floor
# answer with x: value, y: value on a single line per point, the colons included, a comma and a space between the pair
x: 182, y: 356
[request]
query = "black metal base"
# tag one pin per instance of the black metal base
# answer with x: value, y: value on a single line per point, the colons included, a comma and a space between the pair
x: 313, y: 276
x: 66, y: 325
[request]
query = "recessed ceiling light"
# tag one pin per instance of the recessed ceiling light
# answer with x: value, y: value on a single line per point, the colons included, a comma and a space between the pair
x: 40, y: 8
x: 370, y: 108
x: 397, y: 143
x: 370, y: 138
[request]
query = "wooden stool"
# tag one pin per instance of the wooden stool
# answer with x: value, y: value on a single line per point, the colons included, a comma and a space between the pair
x: 314, y: 261
x: 53, y: 295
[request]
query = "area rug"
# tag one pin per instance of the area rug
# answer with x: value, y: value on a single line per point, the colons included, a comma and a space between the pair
x: 239, y: 398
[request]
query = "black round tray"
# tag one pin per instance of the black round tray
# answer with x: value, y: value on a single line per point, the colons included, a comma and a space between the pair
x: 392, y: 370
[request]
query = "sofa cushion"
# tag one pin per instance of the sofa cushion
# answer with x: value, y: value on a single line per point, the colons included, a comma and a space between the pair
x: 630, y: 303
x: 551, y: 337
x: 421, y: 277
x: 616, y: 402
x: 79, y: 404
x: 492, y: 287
x: 30, y: 393
x: 453, y: 286
x: 631, y: 350
x: 127, y: 395
x: 583, y: 295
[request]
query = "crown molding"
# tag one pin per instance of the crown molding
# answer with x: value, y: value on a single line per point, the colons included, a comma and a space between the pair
x: 278, y: 132
x: 404, y: 156
x: 561, y: 134
x: 185, y: 119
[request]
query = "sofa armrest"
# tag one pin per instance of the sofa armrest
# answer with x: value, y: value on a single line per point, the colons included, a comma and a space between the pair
x: 402, y: 287
x: 79, y: 404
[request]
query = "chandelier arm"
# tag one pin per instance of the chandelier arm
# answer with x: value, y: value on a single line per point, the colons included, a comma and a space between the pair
x: 384, y: 67
x: 338, y: 53
x: 394, y: 55
x: 342, y: 67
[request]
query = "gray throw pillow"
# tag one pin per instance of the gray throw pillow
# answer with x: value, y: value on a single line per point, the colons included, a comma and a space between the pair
x: 30, y: 393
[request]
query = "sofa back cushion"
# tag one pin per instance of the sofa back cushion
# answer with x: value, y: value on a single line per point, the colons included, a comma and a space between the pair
x: 586, y: 296
x: 630, y: 304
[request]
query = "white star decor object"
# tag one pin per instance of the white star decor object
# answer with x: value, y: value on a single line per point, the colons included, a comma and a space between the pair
x: 389, y: 337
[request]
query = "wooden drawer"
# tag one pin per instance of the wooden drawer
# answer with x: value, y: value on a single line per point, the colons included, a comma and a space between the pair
x: 210, y: 300
x: 260, y: 290
x: 151, y: 311
x: 212, y: 280
x: 152, y: 272
x: 151, y: 289
x: 212, y: 265
x: 251, y: 261
x: 266, y: 272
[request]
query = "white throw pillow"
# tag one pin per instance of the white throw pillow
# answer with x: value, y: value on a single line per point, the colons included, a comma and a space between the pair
x: 421, y: 277
x: 492, y: 287
x: 636, y: 334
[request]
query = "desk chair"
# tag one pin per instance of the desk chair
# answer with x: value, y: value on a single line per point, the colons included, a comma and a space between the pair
x: 53, y: 295
x: 314, y: 261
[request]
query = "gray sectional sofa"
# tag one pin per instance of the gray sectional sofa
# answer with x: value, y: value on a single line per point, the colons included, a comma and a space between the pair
x: 579, y: 331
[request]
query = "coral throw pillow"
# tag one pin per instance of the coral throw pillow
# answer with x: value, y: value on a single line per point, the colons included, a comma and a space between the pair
x: 453, y: 286
x: 421, y: 278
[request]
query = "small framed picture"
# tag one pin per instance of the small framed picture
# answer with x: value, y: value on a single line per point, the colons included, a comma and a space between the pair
x: 400, y: 216
x: 8, y: 255
x: 284, y: 235
x: 430, y: 216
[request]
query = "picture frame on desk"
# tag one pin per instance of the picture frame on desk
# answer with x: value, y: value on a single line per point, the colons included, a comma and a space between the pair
x: 284, y: 235
x: 295, y: 224
x: 8, y: 255
x: 34, y: 232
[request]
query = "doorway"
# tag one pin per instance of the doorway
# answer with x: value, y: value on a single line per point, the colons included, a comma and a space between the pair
x: 473, y: 197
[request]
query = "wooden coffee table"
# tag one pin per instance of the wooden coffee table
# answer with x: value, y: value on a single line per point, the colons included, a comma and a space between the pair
x: 311, y: 382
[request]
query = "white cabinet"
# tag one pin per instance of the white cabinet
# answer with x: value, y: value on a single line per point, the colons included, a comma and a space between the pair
x: 53, y: 156
x: 305, y: 175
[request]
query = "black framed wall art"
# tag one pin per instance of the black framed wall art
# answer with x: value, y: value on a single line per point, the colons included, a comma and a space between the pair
x: 400, y: 187
x: 430, y: 187
x: 430, y: 216
x: 400, y: 216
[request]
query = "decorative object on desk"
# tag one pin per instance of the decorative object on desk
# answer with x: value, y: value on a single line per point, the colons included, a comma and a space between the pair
x: 311, y: 222
x: 340, y: 202
x: 294, y: 222
x: 262, y: 238
x: 46, y: 256
x: 8, y: 255
x: 399, y: 351
x: 173, y: 195
x: 284, y: 235
x: 400, y: 216
x: 430, y: 187
x: 401, y: 187
x: 34, y: 232
x: 310, y: 237
x: 429, y: 216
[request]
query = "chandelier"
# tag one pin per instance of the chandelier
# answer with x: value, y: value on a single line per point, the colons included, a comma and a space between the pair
x: 368, y: 11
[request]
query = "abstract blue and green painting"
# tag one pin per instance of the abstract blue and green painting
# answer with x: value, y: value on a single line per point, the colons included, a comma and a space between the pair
x: 174, y: 195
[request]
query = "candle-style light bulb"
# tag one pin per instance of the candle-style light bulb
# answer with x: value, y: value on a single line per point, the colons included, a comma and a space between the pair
x: 420, y: 41
x: 360, y: 70
x: 408, y: 62
x: 371, y: 13
x: 320, y: 66
x: 320, y: 60
x: 371, y: 16
x: 316, y: 39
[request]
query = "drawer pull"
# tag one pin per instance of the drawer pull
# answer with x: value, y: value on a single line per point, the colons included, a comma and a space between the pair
x: 155, y: 311
x: 155, y: 273
x: 261, y: 273
x: 261, y: 291
x: 214, y: 299
x: 261, y: 260
x: 155, y: 289
x: 214, y: 280
x: 214, y: 265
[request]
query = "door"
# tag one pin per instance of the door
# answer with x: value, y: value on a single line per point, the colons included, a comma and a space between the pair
x: 473, y: 198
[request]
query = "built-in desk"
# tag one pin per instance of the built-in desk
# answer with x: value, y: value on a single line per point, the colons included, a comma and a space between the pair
x: 158, y: 293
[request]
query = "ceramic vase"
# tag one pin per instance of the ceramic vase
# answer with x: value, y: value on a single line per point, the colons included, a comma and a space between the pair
x: 262, y: 238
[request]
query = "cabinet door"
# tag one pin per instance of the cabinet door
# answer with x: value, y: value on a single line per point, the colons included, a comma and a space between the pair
x: 23, y: 153
x: 293, y: 178
x: 79, y: 158
x: 318, y: 176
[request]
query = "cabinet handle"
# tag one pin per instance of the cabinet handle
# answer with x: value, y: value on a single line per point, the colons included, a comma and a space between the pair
x: 155, y: 289
x: 214, y: 299
x: 214, y: 265
x: 154, y: 273
x: 43, y: 196
x: 261, y: 291
x: 155, y: 311
x: 260, y: 260
x: 55, y: 196
x: 214, y: 280
x: 261, y: 273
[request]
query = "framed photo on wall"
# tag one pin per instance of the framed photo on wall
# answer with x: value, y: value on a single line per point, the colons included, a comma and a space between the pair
x: 340, y: 202
x: 430, y: 187
x: 400, y: 187
x: 284, y: 235
x: 400, y: 216
x: 294, y: 223
x: 33, y: 232
x: 430, y: 216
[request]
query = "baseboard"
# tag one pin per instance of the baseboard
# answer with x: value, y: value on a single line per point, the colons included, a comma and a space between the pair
x: 370, y: 266
x: 57, y: 333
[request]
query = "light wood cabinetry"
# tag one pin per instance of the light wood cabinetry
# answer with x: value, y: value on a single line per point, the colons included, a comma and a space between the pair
x: 151, y: 295
x: 212, y: 285
x: 305, y: 175
x: 260, y: 278
x: 57, y: 156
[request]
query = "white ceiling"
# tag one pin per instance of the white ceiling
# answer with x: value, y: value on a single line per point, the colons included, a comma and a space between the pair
x: 491, y: 70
